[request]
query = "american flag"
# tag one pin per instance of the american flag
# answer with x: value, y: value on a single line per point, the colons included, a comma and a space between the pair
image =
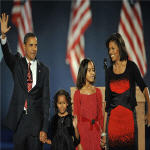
x: 131, y: 29
x: 81, y: 18
x: 22, y: 19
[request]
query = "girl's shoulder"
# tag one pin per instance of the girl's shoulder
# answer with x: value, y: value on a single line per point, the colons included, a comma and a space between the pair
x: 68, y: 115
x: 98, y: 92
x: 55, y: 117
x: 77, y: 92
x: 68, y: 120
x: 97, y: 89
x: 53, y: 121
x: 131, y: 64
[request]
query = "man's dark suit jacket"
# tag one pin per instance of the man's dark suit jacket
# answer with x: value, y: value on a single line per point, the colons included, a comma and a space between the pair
x: 38, y: 98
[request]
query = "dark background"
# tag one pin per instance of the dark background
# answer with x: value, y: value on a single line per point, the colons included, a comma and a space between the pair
x: 51, y: 24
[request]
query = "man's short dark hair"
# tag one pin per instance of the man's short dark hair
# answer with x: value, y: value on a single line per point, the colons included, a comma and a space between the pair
x: 28, y: 35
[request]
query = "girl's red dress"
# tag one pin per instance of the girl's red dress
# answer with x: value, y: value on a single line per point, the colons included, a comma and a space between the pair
x: 88, y: 109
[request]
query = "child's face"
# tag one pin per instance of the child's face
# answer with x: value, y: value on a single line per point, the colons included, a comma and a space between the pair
x: 62, y: 104
x: 90, y: 75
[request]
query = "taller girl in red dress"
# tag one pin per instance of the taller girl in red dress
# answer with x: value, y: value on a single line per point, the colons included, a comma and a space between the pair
x: 88, y: 107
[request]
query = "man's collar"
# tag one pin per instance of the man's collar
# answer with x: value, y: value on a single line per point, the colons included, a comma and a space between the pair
x: 32, y: 61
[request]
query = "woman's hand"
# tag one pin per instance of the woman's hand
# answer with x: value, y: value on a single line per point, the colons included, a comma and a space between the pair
x: 147, y: 97
x: 147, y: 119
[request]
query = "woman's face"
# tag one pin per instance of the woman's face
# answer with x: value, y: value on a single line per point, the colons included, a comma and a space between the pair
x: 90, y: 75
x: 114, y: 51
x: 62, y: 104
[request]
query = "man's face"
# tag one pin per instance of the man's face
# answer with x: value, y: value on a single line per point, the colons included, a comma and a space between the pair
x: 31, y: 48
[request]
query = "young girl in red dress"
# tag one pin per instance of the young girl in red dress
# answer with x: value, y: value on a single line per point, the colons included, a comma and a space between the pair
x: 88, y: 107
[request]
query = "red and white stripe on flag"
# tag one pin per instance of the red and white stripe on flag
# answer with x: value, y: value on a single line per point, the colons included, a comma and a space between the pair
x: 81, y: 18
x: 22, y: 19
x: 131, y: 29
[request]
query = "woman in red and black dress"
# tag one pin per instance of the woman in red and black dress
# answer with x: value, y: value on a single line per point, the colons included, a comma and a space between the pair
x: 88, y: 107
x: 120, y: 129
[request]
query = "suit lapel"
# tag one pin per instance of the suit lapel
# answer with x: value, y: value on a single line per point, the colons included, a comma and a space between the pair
x: 22, y: 73
x: 38, y: 73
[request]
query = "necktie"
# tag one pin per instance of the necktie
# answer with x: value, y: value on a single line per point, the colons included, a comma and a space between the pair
x: 29, y: 83
x: 29, y: 78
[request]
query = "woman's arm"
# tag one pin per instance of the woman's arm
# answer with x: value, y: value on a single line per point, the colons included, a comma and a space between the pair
x: 140, y: 82
x: 147, y: 97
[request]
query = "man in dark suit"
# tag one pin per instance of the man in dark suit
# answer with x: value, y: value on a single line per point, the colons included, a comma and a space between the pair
x: 29, y: 107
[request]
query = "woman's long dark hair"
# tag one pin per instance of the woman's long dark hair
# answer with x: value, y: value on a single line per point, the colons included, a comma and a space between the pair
x: 117, y: 38
x: 81, y: 77
x: 68, y: 98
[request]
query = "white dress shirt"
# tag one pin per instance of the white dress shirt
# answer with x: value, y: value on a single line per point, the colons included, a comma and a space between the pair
x: 33, y: 68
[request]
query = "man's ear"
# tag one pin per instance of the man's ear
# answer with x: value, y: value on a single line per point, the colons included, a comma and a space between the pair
x: 24, y: 47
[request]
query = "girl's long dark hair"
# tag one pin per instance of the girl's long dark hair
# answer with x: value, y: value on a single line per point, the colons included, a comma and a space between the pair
x: 68, y: 98
x: 81, y: 77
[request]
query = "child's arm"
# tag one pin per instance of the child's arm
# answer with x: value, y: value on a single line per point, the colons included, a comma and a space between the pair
x: 48, y: 141
x: 75, y: 122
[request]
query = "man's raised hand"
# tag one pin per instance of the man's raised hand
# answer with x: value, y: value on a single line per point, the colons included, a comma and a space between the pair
x: 4, y: 24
